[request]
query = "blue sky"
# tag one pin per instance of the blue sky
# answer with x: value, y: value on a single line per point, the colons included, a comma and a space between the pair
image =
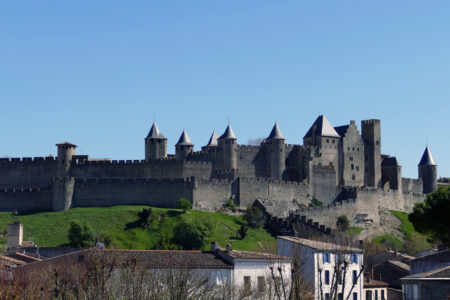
x: 96, y: 73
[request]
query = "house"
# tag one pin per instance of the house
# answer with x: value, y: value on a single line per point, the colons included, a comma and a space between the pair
x: 430, y: 262
x: 429, y: 285
x: 317, y: 261
x: 242, y: 272
x: 375, y: 290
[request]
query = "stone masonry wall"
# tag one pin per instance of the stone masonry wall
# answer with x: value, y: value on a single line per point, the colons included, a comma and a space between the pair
x: 27, y: 171
x: 26, y: 199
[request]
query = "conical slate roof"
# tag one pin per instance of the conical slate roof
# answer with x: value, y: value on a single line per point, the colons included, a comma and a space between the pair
x: 276, y: 133
x: 184, y: 140
x: 228, y: 134
x: 427, y: 159
x: 213, y: 139
x: 155, y: 134
x: 321, y: 127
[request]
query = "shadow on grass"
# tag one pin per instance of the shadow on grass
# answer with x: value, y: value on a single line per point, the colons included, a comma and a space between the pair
x: 173, y: 213
x: 240, y: 222
x: 31, y: 212
x: 132, y: 225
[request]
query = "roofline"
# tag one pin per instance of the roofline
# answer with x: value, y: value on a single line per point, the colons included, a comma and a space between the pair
x: 424, y: 278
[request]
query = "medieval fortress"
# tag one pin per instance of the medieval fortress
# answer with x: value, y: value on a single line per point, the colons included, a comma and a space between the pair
x: 341, y: 167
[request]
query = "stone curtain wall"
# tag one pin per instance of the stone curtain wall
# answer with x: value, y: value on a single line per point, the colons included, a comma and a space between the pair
x: 27, y: 171
x: 25, y: 199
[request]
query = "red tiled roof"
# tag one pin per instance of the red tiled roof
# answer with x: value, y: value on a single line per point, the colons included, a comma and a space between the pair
x: 254, y: 255
x: 375, y: 283
x: 10, y: 259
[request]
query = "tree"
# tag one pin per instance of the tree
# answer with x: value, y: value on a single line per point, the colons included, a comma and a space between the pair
x: 431, y: 216
x: 184, y: 204
x: 243, y: 231
x: 342, y: 223
x: 144, y: 216
x: 254, y: 216
x: 80, y: 236
x: 190, y: 235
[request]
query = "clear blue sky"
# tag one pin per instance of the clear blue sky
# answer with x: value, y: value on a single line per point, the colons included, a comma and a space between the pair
x: 96, y: 73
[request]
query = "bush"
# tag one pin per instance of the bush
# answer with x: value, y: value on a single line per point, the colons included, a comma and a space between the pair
x: 80, y: 237
x: 254, y: 216
x: 190, y: 235
x: 243, y: 231
x: 144, y: 216
x: 184, y: 204
x: 315, y: 202
x: 342, y: 223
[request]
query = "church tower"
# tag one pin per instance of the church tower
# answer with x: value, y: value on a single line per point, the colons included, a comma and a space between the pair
x: 155, y: 144
x: 277, y: 148
x: 428, y: 172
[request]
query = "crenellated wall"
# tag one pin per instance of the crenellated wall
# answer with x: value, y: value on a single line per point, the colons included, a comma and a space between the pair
x: 212, y: 194
x: 410, y: 185
x: 27, y: 171
x: 25, y: 199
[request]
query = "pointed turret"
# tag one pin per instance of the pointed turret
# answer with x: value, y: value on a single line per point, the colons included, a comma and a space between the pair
x: 155, y: 133
x: 184, y: 140
x: 427, y: 159
x: 155, y: 144
x: 228, y: 134
x: 184, y: 147
x: 321, y: 127
x: 428, y: 172
x: 213, y: 140
x: 276, y: 133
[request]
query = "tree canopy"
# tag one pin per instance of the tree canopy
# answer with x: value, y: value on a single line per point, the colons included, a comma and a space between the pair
x: 432, y: 216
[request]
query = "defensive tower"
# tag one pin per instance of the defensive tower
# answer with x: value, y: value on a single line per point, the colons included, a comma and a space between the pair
x: 183, y: 147
x: 371, y: 135
x: 428, y: 172
x: 65, y: 153
x: 227, y: 143
x: 277, y: 148
x: 155, y: 144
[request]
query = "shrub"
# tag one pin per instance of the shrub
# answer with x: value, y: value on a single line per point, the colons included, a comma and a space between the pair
x: 315, y: 202
x: 342, y: 223
x: 79, y: 236
x: 190, y: 235
x: 184, y: 204
x: 243, y: 231
x: 144, y: 216
x: 254, y: 216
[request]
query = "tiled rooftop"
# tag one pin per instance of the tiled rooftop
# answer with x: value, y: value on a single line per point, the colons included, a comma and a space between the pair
x: 441, y: 273
x: 320, y: 245
x: 255, y: 255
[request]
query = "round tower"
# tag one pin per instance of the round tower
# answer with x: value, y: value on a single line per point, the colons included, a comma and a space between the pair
x: 183, y: 147
x: 228, y: 146
x: 65, y: 153
x: 277, y: 148
x: 428, y: 172
x: 155, y: 144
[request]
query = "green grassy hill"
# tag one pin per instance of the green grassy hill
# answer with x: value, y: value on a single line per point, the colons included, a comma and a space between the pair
x: 118, y: 224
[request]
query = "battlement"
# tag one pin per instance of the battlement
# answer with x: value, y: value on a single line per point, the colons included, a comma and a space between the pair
x: 323, y: 168
x: 411, y: 180
x: 330, y: 206
x: 370, y: 121
x: 16, y: 160
x: 24, y: 189
x: 197, y: 162
x: 129, y: 180
x: 214, y: 181
x: 270, y: 181
x: 249, y: 148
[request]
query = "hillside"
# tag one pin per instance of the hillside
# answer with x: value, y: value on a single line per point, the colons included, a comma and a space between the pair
x: 118, y: 225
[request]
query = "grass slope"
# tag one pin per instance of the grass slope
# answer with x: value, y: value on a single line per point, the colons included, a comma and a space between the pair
x: 414, y: 241
x: 117, y: 223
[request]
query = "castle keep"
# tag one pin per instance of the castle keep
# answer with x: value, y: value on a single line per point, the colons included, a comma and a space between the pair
x: 335, y: 165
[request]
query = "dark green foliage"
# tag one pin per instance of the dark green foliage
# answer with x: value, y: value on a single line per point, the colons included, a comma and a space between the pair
x: 243, y: 231
x: 230, y: 204
x: 254, y: 216
x: 190, y: 235
x: 164, y: 242
x: 144, y: 217
x: 184, y: 204
x: 80, y: 236
x: 342, y: 223
x: 432, y: 216
x: 315, y: 202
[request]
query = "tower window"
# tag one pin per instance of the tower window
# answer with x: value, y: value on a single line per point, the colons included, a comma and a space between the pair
x: 334, y: 141
x: 357, y: 168
x: 353, y: 177
x: 352, y: 166
x: 328, y: 140
x: 351, y: 158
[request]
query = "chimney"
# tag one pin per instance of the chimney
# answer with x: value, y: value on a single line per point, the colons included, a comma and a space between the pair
x: 15, y: 235
x: 229, y: 248
x: 214, y: 247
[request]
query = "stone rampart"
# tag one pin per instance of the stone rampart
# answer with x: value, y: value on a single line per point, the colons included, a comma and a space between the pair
x: 27, y: 171
x: 210, y: 195
x: 410, y: 185
x: 25, y: 199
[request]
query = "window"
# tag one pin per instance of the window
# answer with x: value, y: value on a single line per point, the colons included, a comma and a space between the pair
x: 340, y: 296
x: 351, y: 158
x: 327, y: 277
x: 368, y: 295
x: 357, y: 168
x: 328, y: 141
x: 247, y: 282
x: 382, y: 295
x: 261, y: 284
x: 354, y: 276
x: 352, y: 166
x: 354, y: 258
x: 376, y: 294
x: 353, y: 177
x: 327, y: 296
x: 355, y: 296
x: 334, y: 141
x: 326, y: 257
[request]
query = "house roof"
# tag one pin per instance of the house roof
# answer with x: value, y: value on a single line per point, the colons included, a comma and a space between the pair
x: 321, y: 127
x: 323, y: 246
x: 375, y: 283
x: 399, y: 264
x: 164, y: 258
x: 154, y: 133
x: 443, y: 255
x: 24, y: 257
x: 13, y: 260
x: 441, y: 273
x: 184, y: 140
x: 386, y: 255
x: 276, y: 133
x: 228, y: 134
x: 341, y: 130
x: 213, y: 139
x: 427, y: 159
x: 235, y: 254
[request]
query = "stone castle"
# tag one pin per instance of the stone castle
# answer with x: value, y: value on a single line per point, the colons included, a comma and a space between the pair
x: 341, y: 167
